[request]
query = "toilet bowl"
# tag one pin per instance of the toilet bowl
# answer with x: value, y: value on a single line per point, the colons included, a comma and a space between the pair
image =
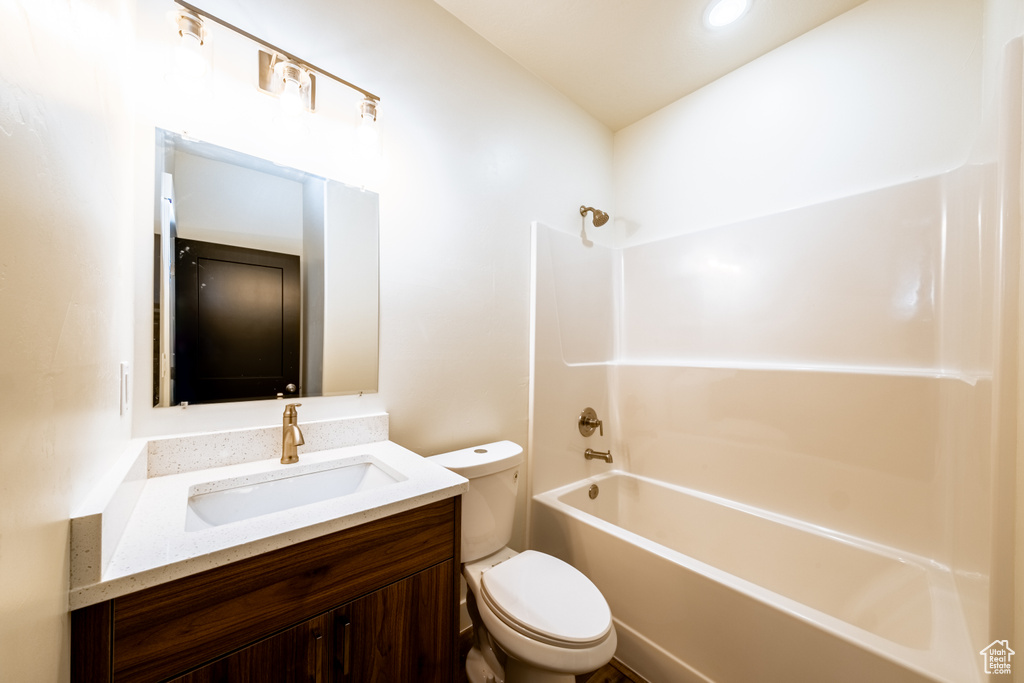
x: 536, y: 619
x: 542, y: 611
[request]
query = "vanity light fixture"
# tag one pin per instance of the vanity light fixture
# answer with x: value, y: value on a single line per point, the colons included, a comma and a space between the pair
x: 368, y: 110
x: 288, y: 80
x: 724, y: 12
x: 189, y: 52
x: 281, y: 73
x: 366, y: 131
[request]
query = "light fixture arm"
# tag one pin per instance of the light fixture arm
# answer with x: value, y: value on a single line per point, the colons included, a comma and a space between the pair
x: 283, y: 53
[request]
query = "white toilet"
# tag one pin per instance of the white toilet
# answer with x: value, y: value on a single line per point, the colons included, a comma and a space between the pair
x: 548, y: 620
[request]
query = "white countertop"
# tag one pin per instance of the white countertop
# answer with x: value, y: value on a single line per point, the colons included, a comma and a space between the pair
x: 154, y: 546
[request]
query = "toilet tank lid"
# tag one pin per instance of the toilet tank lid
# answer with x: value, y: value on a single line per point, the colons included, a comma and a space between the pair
x: 479, y: 461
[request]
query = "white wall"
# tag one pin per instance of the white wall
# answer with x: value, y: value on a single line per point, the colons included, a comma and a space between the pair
x: 474, y: 149
x: 885, y: 93
x: 575, y: 315
x: 65, y: 299
x: 350, y: 332
x: 225, y: 203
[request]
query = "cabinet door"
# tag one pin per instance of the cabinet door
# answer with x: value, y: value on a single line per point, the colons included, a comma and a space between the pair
x: 403, y: 632
x: 298, y: 655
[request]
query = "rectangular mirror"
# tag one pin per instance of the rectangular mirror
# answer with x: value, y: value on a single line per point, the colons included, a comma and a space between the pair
x: 265, y: 279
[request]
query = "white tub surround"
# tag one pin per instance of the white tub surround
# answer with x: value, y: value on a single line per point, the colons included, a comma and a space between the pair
x: 131, y: 533
x: 803, y: 603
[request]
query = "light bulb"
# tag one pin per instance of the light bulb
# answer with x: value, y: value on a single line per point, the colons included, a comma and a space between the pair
x: 368, y: 110
x: 366, y: 134
x: 293, y: 78
x: 724, y: 12
x: 366, y: 131
x: 188, y: 55
x: 367, y: 139
x: 291, y: 98
x: 369, y: 156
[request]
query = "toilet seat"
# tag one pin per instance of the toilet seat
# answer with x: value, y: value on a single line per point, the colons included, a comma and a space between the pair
x: 547, y: 599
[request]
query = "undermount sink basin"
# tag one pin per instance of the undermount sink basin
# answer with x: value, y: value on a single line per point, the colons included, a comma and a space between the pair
x: 235, y: 500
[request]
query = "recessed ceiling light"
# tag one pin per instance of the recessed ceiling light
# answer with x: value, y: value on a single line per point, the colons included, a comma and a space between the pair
x: 723, y: 12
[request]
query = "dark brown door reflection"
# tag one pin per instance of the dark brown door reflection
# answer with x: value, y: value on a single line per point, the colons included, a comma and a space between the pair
x: 236, y: 323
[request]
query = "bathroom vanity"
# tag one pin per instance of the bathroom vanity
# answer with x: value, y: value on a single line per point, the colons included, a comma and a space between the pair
x: 358, y: 589
x: 374, y: 602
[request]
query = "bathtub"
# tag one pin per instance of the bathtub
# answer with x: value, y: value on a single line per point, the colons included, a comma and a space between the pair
x: 705, y: 589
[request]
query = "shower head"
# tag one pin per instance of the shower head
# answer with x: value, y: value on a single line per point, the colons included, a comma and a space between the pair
x: 600, y: 217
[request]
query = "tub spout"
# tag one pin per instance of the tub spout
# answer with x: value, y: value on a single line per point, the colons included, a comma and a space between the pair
x: 591, y: 454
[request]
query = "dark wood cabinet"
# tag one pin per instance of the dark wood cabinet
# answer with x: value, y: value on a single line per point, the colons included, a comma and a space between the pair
x: 373, y: 646
x: 297, y: 654
x: 375, y: 603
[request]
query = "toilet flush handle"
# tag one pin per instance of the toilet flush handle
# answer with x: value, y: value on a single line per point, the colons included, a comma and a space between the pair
x: 589, y: 422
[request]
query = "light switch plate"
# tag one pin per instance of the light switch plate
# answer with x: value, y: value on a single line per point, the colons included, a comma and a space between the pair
x: 125, y: 383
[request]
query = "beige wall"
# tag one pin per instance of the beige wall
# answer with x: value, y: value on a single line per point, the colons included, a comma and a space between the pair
x: 844, y: 109
x: 474, y: 149
x: 65, y: 300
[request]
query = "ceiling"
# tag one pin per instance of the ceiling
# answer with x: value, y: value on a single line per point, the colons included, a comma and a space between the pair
x: 622, y: 60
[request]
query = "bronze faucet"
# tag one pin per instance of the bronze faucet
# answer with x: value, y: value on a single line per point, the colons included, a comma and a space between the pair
x: 291, y: 435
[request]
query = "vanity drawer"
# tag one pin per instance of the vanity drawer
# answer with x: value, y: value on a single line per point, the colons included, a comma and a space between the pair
x: 168, y: 629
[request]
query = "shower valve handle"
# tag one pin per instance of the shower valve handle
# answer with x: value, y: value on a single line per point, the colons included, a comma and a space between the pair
x: 589, y: 422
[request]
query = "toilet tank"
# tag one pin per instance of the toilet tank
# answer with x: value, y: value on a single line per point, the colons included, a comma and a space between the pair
x: 489, y: 506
